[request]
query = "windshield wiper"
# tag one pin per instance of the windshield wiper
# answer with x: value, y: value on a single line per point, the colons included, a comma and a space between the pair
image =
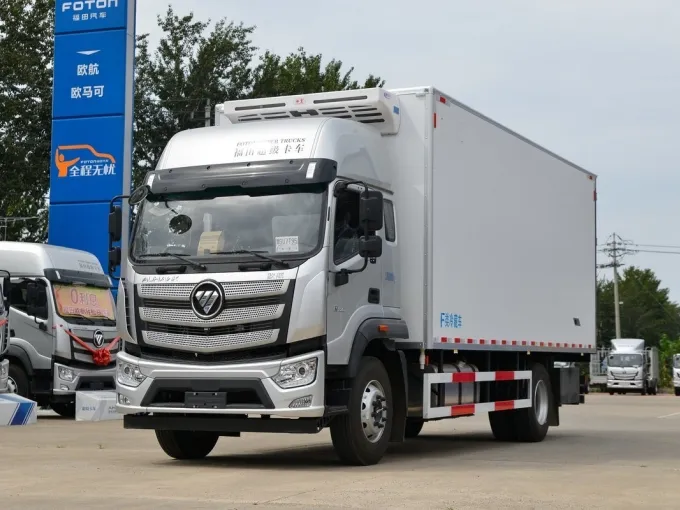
x: 258, y: 254
x: 178, y: 256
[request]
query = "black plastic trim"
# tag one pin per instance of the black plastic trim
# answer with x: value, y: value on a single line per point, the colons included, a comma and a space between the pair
x: 367, y: 332
x: 20, y: 354
x: 209, y: 385
x: 224, y: 424
x: 69, y: 276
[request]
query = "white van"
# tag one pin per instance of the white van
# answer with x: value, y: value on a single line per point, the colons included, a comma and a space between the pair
x: 63, y: 329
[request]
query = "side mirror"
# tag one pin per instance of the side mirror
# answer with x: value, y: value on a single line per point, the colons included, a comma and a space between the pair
x: 115, y: 224
x: 371, y: 211
x: 370, y: 247
x: 6, y: 289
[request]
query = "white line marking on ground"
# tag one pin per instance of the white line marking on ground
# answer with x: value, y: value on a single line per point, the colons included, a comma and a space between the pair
x: 668, y: 415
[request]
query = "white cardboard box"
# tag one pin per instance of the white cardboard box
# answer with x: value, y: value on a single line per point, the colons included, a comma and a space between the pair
x: 96, y: 406
x: 16, y: 410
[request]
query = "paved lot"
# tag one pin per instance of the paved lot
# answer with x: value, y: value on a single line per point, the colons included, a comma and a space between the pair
x: 613, y: 452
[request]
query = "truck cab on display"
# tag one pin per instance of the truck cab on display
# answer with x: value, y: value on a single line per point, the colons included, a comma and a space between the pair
x: 5, y: 288
x: 63, y: 328
x: 632, y: 368
x: 363, y: 260
x: 676, y: 374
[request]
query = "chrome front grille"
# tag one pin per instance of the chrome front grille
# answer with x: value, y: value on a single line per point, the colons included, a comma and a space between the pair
x: 182, y: 291
x: 227, y: 317
x: 209, y: 344
x: 253, y: 315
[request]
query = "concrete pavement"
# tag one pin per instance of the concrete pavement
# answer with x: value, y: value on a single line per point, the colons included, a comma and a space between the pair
x: 613, y: 452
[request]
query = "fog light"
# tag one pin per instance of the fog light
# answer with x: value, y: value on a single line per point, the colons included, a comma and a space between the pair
x: 4, y: 369
x: 123, y: 400
x: 63, y: 387
x: 301, y: 402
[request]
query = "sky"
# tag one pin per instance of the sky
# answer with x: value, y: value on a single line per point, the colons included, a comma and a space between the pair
x: 596, y: 81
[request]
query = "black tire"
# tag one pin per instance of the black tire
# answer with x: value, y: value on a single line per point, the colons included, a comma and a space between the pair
x: 350, y: 442
x: 611, y: 392
x: 65, y: 410
x: 530, y: 426
x: 677, y: 392
x: 644, y: 390
x: 186, y: 445
x: 503, y: 425
x: 18, y: 375
x: 413, y: 427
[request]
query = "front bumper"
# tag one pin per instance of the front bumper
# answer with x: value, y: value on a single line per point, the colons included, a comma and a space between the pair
x: 621, y: 385
x: 4, y: 375
x: 82, y: 379
x: 249, y: 387
x: 676, y: 382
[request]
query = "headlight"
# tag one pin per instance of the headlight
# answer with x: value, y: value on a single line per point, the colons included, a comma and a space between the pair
x: 299, y: 373
x: 65, y: 374
x: 128, y: 374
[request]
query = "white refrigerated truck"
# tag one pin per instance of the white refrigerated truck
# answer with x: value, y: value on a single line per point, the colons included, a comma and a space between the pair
x: 362, y: 260
x: 63, y: 328
x: 632, y: 368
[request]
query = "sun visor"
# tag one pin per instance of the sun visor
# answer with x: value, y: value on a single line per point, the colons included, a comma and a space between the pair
x: 244, y: 175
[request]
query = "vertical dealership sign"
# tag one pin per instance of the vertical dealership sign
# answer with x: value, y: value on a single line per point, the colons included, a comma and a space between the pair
x: 92, y: 114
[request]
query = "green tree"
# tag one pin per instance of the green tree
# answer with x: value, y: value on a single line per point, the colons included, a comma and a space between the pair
x: 26, y: 48
x: 646, y: 309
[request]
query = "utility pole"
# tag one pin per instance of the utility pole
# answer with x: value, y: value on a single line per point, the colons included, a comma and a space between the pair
x: 207, y: 114
x: 616, y: 248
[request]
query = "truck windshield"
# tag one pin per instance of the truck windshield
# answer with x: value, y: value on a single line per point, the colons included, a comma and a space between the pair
x: 274, y: 222
x: 82, y: 304
x: 625, y: 360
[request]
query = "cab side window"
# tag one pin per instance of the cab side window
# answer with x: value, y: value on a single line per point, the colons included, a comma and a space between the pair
x: 347, y: 230
x: 20, y: 294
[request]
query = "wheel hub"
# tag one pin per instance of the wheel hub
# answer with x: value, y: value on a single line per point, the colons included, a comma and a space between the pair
x: 11, y: 385
x: 373, y: 411
x: 541, y: 402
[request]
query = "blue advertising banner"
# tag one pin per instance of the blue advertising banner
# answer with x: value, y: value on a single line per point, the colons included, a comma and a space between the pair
x: 89, y: 15
x: 87, y: 156
x: 89, y: 74
x: 92, y: 111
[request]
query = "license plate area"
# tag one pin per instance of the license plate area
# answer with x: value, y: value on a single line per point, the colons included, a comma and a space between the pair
x: 205, y: 399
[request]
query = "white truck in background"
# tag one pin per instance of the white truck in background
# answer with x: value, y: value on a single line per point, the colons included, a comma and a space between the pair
x: 5, y: 288
x: 632, y: 368
x: 598, y: 369
x: 63, y: 335
x: 363, y: 260
x: 676, y: 374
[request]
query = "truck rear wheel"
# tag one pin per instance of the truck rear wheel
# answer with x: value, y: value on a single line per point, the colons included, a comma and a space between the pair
x: 503, y: 426
x: 413, y: 427
x: 186, y: 445
x: 532, y: 422
x: 362, y: 436
x: 677, y: 392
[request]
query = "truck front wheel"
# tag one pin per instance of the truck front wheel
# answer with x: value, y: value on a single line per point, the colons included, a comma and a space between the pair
x: 186, y: 445
x: 677, y: 392
x: 361, y: 436
x: 532, y: 422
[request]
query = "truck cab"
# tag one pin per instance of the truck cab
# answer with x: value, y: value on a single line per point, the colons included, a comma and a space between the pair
x: 676, y: 374
x: 5, y: 289
x: 632, y: 368
x: 63, y: 330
